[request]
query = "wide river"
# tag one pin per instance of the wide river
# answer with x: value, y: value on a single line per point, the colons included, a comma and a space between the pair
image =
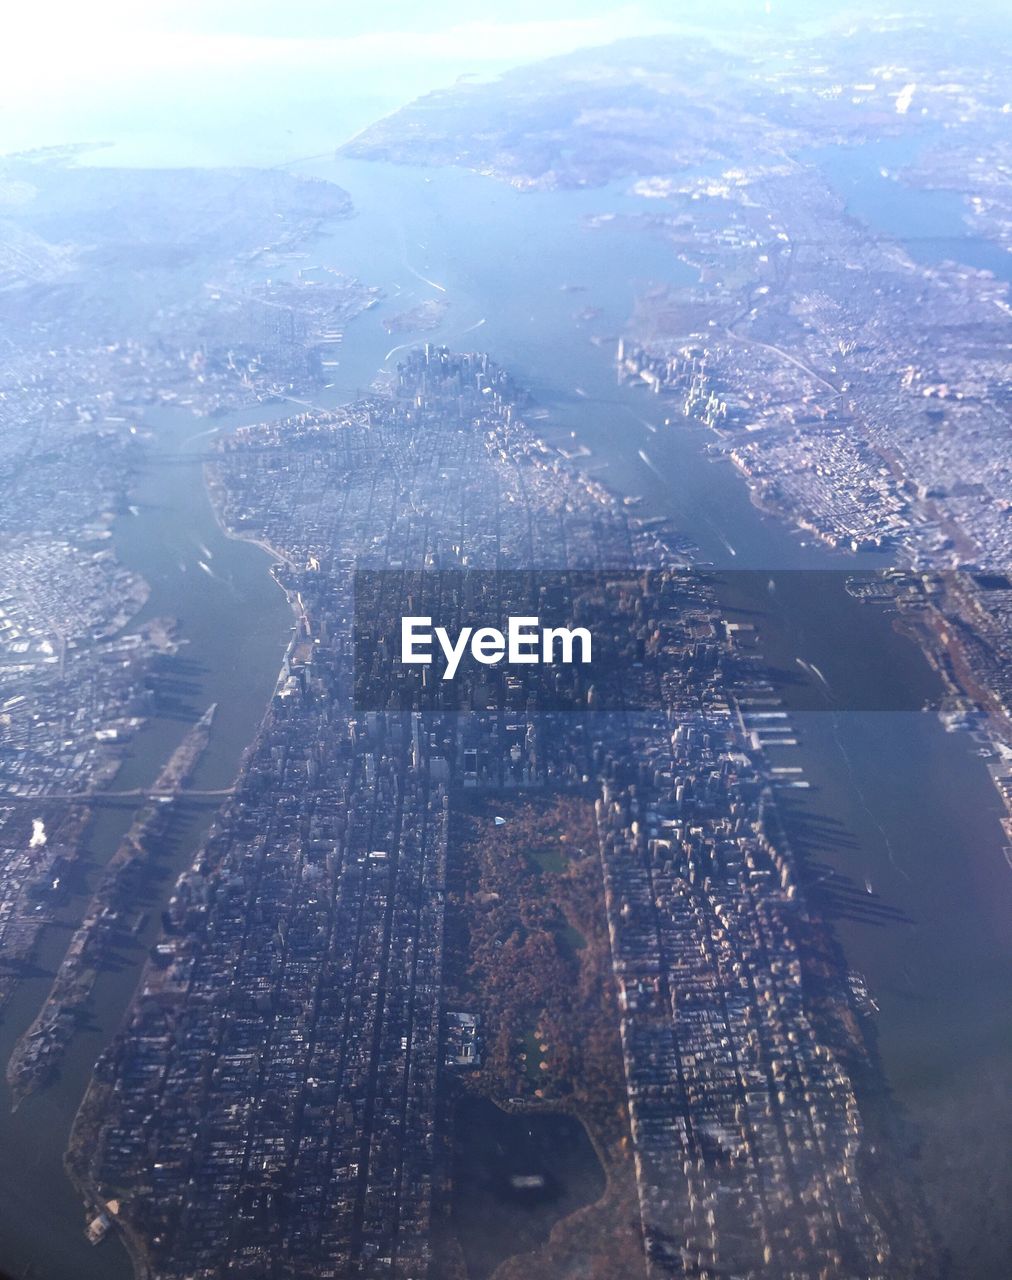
x: 901, y: 822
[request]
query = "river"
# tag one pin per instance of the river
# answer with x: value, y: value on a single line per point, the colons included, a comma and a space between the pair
x: 234, y: 626
x: 901, y: 822
x: 896, y: 802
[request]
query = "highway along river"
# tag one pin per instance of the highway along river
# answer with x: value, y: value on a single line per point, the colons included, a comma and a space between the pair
x: 896, y: 804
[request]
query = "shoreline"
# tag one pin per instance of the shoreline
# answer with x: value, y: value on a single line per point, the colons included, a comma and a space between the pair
x: 86, y: 1124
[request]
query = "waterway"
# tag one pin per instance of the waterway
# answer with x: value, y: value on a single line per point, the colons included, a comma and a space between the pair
x: 514, y: 1177
x: 896, y: 803
x: 932, y: 224
x: 901, y: 821
x: 234, y: 623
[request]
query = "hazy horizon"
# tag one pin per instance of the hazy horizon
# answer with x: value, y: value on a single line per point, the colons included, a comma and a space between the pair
x: 224, y: 83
